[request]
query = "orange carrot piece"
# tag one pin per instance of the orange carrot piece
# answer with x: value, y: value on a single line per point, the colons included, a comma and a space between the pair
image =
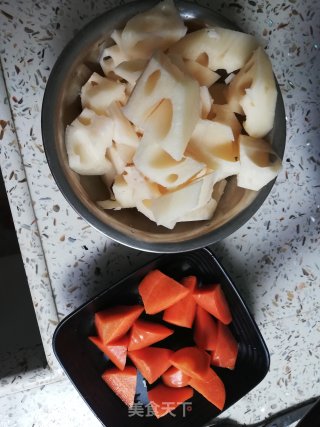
x: 213, y: 389
x: 174, y: 377
x: 212, y: 299
x: 115, y: 322
x: 152, y: 362
x: 115, y: 350
x: 182, y: 313
x: 159, y: 291
x: 165, y: 399
x: 226, y: 352
x: 205, y: 330
x: 193, y: 361
x: 143, y: 334
x: 122, y: 383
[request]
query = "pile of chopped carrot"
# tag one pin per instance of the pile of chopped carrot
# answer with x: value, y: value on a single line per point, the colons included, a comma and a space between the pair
x: 123, y: 334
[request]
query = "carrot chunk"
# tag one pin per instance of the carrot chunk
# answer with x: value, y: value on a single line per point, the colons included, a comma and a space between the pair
x: 152, y: 362
x: 165, y: 399
x: 174, y: 377
x: 212, y: 299
x: 182, y: 313
x: 193, y: 361
x: 115, y: 350
x: 213, y: 389
x: 226, y: 351
x: 205, y: 330
x: 159, y: 291
x: 122, y: 383
x: 115, y: 322
x: 143, y: 334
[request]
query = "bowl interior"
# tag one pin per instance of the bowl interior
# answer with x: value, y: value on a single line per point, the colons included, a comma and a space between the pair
x: 62, y: 105
x: 84, y: 364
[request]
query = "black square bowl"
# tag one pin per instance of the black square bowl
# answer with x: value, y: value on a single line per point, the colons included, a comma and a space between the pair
x: 84, y: 364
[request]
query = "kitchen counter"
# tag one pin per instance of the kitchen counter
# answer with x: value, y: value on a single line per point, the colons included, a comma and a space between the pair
x: 273, y: 258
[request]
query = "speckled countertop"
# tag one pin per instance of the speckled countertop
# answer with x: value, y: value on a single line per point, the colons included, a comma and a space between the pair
x: 274, y: 258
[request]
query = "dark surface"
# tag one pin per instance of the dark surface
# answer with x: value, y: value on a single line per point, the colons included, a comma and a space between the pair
x: 312, y: 418
x: 84, y: 364
x: 8, y: 240
x: 19, y: 332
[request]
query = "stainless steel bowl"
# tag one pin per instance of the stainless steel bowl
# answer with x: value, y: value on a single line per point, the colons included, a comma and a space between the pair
x: 60, y: 107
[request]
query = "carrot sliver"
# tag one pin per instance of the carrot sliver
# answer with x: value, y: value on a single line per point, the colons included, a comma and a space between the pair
x: 122, y: 383
x: 116, y: 350
x: 115, y: 322
x: 183, y: 312
x: 152, y: 362
x: 213, y: 389
x: 205, y: 330
x: 226, y: 351
x: 212, y: 299
x: 165, y: 399
x: 143, y: 334
x: 159, y: 291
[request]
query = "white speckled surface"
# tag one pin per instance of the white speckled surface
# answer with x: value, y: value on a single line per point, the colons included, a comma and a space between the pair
x: 274, y: 258
x: 34, y: 261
